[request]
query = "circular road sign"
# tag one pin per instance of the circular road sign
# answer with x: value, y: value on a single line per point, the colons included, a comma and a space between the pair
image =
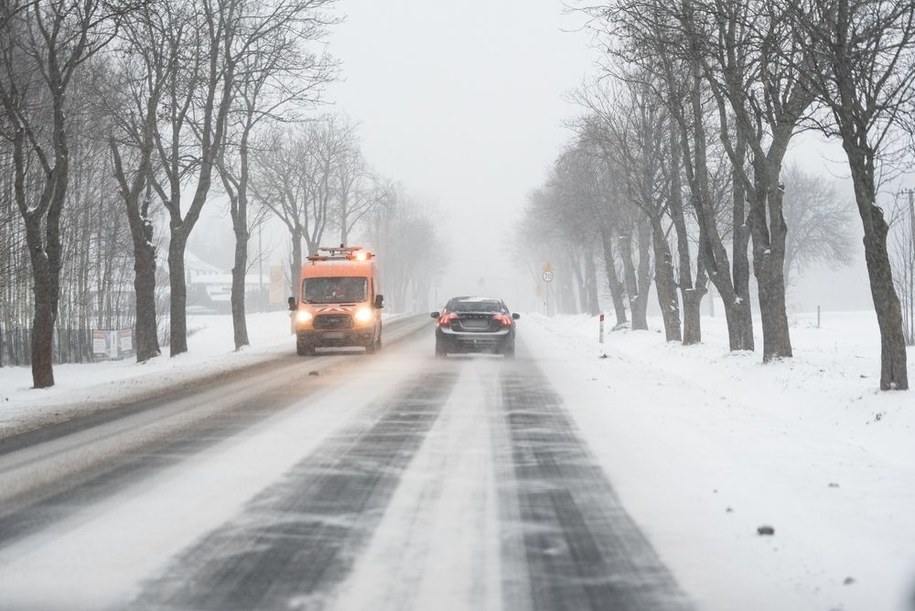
x: 547, y: 276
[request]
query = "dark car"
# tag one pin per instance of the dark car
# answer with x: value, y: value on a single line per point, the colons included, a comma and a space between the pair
x: 475, y: 324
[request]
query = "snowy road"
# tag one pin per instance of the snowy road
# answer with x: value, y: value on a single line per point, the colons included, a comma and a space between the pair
x: 341, y: 482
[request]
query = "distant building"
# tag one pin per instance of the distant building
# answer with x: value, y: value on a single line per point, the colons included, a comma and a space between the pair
x: 209, y: 288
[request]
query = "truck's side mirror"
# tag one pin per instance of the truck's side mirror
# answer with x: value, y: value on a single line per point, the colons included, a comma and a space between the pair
x: 292, y: 304
x: 379, y: 301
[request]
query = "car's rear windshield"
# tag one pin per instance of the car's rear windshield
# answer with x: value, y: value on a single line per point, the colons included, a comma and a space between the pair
x: 475, y: 305
x: 334, y: 289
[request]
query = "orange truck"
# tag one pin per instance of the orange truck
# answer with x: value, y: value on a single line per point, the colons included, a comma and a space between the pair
x: 338, y: 302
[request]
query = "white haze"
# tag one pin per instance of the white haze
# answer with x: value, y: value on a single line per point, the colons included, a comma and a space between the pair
x: 465, y: 106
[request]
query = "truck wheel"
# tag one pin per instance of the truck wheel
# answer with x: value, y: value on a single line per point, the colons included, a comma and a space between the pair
x: 303, y: 348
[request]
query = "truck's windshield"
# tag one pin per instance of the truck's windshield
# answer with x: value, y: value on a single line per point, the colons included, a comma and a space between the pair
x: 335, y: 289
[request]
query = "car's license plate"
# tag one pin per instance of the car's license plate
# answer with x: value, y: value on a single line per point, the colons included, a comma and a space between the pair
x: 333, y: 335
x: 475, y: 324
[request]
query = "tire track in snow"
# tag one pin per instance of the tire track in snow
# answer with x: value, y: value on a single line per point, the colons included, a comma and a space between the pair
x: 582, y: 549
x: 299, y: 538
x: 438, y: 544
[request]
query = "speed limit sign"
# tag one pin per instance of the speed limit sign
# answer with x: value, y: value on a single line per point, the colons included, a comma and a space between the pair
x: 547, y: 276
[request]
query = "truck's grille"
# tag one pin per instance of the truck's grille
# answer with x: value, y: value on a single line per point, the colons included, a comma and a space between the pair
x: 333, y: 322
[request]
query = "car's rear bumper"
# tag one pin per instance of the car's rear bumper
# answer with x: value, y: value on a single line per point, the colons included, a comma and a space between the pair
x: 474, y: 342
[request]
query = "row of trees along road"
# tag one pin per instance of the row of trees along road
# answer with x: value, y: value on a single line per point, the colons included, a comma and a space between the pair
x: 697, y: 103
x: 120, y: 121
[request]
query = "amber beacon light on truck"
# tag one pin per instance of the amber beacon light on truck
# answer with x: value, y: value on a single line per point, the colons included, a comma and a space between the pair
x: 338, y: 301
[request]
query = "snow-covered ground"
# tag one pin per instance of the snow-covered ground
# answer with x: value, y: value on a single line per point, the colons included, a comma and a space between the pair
x: 85, y: 386
x: 703, y: 446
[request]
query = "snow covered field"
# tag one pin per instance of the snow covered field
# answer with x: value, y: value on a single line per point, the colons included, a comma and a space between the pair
x: 82, y: 387
x: 703, y: 447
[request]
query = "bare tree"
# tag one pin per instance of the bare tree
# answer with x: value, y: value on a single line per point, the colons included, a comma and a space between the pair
x: 647, y: 33
x: 293, y: 176
x: 326, y: 149
x: 357, y: 191
x: 42, y: 45
x: 94, y: 235
x: 207, y: 38
x: 820, y: 223
x: 753, y: 65
x: 575, y: 191
x: 636, y: 140
x: 561, y: 224
x: 277, y: 185
x: 411, y: 253
x: 131, y: 97
x: 862, y: 69
x: 277, y: 72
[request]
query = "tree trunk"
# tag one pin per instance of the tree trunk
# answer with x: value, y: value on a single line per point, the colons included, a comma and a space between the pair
x: 295, y: 264
x: 144, y: 253
x: 44, y: 315
x: 737, y: 314
x: 640, y: 309
x: 639, y: 320
x: 144, y: 283
x: 664, y: 282
x: 692, y: 310
x: 178, y: 286
x: 591, y: 284
x: 43, y: 320
x: 769, y: 257
x: 239, y: 212
x: 893, y: 370
x: 690, y: 295
x: 767, y: 267
x: 616, y: 287
x: 712, y: 254
x: 576, y: 297
x: 239, y: 322
x: 740, y: 245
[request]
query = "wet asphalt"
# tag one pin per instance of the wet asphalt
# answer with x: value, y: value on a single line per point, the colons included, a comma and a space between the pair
x: 568, y: 541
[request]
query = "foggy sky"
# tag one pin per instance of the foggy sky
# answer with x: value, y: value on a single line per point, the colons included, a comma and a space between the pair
x: 463, y: 103
x: 465, y: 106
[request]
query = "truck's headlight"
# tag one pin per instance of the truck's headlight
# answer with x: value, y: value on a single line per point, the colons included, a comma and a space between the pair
x: 303, y: 316
x: 363, y: 315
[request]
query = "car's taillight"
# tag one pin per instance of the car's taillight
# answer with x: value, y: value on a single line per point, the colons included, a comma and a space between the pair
x: 502, y: 319
x: 445, y: 319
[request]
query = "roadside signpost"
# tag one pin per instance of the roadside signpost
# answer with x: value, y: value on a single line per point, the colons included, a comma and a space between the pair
x: 547, y: 276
